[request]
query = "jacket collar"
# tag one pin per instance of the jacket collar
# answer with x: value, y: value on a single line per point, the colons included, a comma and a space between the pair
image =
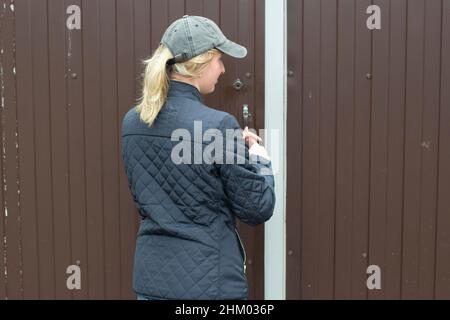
x: 185, y: 90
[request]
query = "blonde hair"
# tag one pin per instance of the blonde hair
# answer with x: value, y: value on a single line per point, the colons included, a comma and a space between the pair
x: 156, y: 79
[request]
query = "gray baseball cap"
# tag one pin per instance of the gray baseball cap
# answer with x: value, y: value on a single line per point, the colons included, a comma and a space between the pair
x: 191, y: 36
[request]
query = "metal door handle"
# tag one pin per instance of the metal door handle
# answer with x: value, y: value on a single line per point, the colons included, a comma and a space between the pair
x: 245, y: 112
x: 248, y: 120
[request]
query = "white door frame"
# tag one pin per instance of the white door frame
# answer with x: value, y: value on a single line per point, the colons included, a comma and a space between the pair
x: 275, y: 125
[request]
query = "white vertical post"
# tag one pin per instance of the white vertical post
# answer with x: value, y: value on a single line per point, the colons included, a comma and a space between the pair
x: 275, y: 119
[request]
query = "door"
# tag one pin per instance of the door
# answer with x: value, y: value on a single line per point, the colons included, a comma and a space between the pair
x: 65, y: 91
x: 368, y: 149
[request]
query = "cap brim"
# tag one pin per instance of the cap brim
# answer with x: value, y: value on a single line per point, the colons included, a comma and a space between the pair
x: 233, y: 49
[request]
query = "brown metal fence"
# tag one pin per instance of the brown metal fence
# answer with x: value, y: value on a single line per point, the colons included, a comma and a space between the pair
x: 368, y: 149
x: 64, y: 196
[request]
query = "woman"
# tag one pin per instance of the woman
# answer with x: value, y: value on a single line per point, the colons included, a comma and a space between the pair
x: 188, y: 246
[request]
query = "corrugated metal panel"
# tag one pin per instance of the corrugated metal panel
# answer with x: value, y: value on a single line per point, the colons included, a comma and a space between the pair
x: 442, y: 261
x: 9, y: 152
x: 65, y: 102
x: 368, y: 152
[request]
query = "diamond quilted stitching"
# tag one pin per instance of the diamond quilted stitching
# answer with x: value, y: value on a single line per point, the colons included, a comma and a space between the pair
x: 184, y: 267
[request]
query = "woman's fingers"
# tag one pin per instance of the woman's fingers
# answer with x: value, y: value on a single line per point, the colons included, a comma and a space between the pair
x: 255, y: 136
x: 246, y: 133
x: 250, y: 137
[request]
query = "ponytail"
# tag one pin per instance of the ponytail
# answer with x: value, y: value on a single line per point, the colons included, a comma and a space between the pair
x: 155, y: 85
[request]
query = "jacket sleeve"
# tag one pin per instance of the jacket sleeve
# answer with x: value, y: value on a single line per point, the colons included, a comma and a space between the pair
x: 248, y: 181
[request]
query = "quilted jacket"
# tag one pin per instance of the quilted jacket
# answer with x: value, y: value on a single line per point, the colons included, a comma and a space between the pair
x: 187, y: 245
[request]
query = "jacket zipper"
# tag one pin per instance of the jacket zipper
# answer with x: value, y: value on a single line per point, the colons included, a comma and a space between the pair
x: 243, y: 250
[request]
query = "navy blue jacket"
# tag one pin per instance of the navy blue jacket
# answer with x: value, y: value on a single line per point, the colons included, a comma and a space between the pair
x: 188, y: 246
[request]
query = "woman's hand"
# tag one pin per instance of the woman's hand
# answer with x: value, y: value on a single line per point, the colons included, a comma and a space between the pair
x: 250, y: 138
x: 254, y: 147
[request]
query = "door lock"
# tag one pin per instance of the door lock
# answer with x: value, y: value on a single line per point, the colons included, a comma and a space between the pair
x: 238, y: 84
